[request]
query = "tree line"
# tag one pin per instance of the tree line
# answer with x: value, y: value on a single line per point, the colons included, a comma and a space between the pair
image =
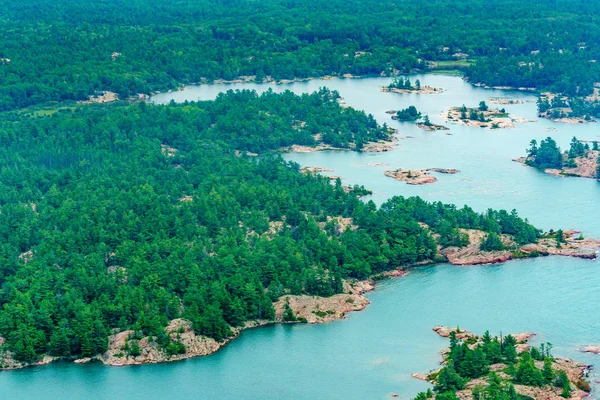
x: 56, y: 52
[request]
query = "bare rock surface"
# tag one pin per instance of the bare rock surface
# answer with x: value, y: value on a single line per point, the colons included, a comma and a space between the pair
x: 412, y: 177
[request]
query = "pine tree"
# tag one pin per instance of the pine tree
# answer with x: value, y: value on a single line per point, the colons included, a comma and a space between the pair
x: 288, y: 314
x: 566, y: 390
x: 547, y: 371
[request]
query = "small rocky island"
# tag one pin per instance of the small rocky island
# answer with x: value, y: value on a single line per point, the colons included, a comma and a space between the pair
x: 504, y: 367
x: 505, y: 101
x: 411, y: 114
x: 429, y: 126
x: 580, y: 160
x: 418, y: 176
x: 481, y: 116
x: 401, y: 85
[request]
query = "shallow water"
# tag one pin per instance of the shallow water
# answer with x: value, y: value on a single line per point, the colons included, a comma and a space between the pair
x: 372, y: 353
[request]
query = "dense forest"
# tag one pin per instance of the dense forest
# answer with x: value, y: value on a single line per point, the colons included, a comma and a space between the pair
x: 120, y: 216
x: 470, y: 361
x: 52, y: 51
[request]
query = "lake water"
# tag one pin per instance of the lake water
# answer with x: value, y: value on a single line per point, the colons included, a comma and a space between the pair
x: 372, y: 353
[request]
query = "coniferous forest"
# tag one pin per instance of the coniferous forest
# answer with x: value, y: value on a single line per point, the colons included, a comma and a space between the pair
x: 51, y: 52
x: 126, y: 216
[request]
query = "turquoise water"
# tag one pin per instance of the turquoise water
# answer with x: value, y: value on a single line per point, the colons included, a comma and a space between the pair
x: 371, y: 354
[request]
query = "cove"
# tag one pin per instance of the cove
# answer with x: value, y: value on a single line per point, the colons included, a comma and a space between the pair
x: 372, y: 353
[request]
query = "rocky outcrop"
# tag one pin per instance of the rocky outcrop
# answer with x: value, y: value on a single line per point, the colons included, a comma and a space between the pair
x: 418, y: 176
x: 585, y: 166
x: 505, y: 101
x: 445, y: 331
x: 370, y: 147
x: 574, y: 247
x: 421, y: 90
x: 591, y: 349
x: 412, y: 177
x: 317, y: 310
x: 471, y: 254
x: 315, y: 170
x: 432, y: 127
x: 450, y: 171
x: 180, y: 330
x: 8, y: 360
x: 380, y: 146
x: 493, y: 118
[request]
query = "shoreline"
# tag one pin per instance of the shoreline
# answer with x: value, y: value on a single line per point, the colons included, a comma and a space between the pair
x: 356, y: 289
x: 585, y: 167
x: 253, y: 324
x: 576, y: 372
x: 249, y: 79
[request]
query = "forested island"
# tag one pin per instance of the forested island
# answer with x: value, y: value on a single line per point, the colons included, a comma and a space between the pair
x: 50, y: 52
x: 504, y: 367
x: 411, y: 114
x: 481, y: 116
x: 580, y: 160
x: 401, y: 85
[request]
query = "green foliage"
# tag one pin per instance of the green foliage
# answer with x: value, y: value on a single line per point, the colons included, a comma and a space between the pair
x: 566, y: 390
x: 139, y: 214
x: 561, y: 379
x: 288, y: 314
x: 470, y: 359
x: 492, y: 242
x: 547, y: 155
x: 175, y: 347
x: 528, y: 373
x: 152, y: 45
x: 547, y: 371
x: 408, y: 114
x: 446, y: 396
x: 495, y: 390
x: 133, y: 348
x: 449, y: 381
x: 577, y: 148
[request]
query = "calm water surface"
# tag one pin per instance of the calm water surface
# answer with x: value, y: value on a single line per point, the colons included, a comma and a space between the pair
x: 371, y: 354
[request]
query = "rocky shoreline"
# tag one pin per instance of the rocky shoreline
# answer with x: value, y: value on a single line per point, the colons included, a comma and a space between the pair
x: 505, y: 101
x: 418, y: 176
x: 371, y: 147
x: 585, y: 166
x: 312, y: 309
x: 432, y: 127
x: 421, y: 90
x: 492, y: 118
x: 305, y: 308
x: 574, y: 371
x: 473, y: 255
